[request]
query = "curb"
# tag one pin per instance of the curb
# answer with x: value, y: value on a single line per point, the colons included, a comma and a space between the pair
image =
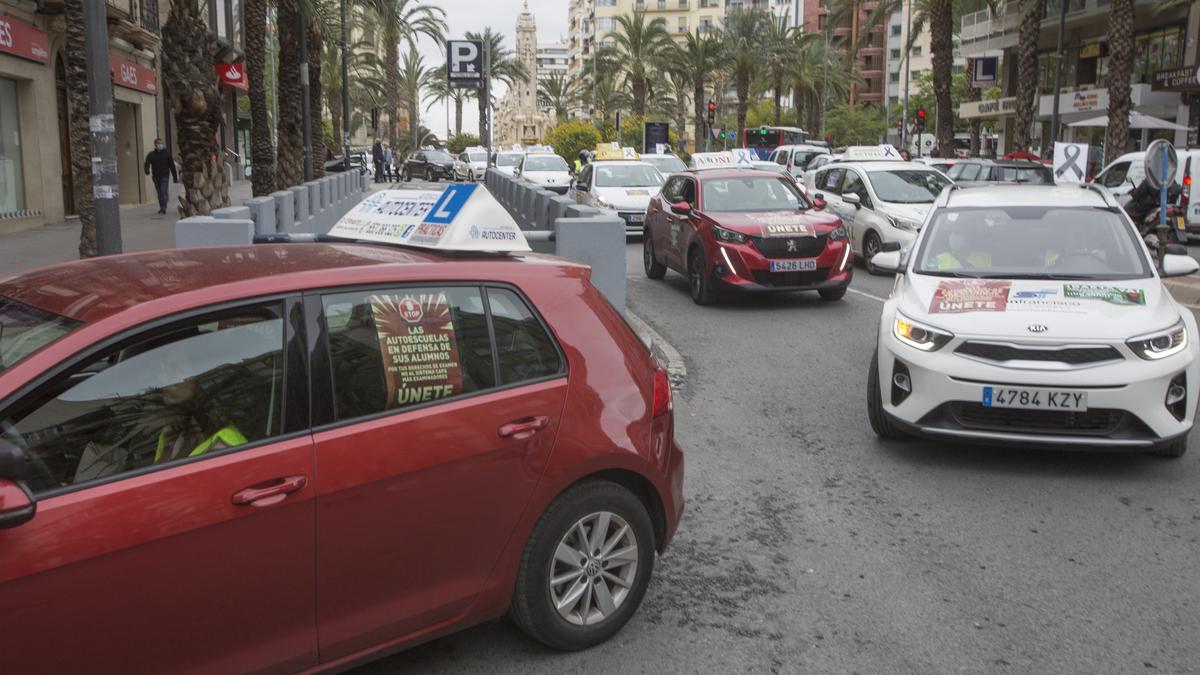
x: 671, y: 358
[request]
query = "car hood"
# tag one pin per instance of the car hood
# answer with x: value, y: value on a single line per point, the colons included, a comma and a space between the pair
x: 776, y: 223
x: 627, y: 198
x: 549, y: 177
x: 916, y: 212
x: 1038, y: 309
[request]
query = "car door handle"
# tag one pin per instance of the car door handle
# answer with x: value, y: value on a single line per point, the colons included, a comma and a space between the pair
x: 269, y: 492
x: 523, y: 428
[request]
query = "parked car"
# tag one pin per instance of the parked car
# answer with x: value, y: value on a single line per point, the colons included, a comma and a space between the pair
x: 430, y: 165
x: 483, y: 449
x: 506, y: 161
x: 967, y: 172
x: 797, y: 158
x: 619, y: 187
x: 545, y: 170
x: 471, y: 165
x: 667, y: 165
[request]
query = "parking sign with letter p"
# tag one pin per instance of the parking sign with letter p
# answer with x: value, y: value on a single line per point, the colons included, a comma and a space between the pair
x: 464, y: 63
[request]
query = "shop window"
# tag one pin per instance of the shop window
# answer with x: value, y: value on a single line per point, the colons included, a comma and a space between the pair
x: 895, y: 54
x: 12, y: 177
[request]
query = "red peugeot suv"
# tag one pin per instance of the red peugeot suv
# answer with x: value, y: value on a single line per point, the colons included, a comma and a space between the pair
x: 296, y: 457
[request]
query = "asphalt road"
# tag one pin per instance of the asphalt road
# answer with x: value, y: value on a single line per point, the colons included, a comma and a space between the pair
x: 810, y: 546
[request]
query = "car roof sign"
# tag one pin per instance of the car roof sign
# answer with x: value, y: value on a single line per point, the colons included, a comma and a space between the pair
x: 709, y: 160
x: 866, y: 153
x: 462, y: 217
x: 609, y: 153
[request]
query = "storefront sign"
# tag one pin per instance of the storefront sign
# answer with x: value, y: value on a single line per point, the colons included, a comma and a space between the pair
x: 23, y: 41
x: 232, y: 74
x: 984, y: 71
x: 133, y: 76
x: 1176, y: 79
x: 996, y: 108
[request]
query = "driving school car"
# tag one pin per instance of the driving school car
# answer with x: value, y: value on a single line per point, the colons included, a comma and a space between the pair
x: 1034, y: 316
x: 619, y: 186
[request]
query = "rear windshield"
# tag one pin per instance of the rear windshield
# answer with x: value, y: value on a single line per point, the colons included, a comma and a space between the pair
x: 508, y: 159
x: 546, y: 163
x: 25, y: 329
x: 666, y: 164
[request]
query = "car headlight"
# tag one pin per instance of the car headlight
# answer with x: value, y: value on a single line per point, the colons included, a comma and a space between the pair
x: 904, y: 224
x: 601, y: 200
x: 1162, y: 344
x: 918, y: 335
x: 729, y: 236
x: 838, y: 233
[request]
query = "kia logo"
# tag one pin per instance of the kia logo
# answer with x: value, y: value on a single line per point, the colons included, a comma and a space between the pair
x: 1037, y: 328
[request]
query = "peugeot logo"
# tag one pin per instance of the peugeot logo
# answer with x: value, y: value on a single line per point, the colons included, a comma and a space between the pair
x: 791, y: 246
x: 1037, y: 328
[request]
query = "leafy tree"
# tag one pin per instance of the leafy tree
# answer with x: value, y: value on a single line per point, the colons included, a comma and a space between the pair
x: 1120, y: 70
x: 557, y: 92
x: 697, y: 57
x: 744, y: 54
x: 569, y: 137
x: 459, y: 142
x: 851, y: 124
x: 504, y: 67
x: 641, y: 45
x: 402, y: 21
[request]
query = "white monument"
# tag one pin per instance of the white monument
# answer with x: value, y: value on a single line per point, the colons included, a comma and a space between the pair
x: 518, y: 119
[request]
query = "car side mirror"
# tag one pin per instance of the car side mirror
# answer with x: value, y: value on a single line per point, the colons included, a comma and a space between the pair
x: 819, y: 202
x: 1176, y: 265
x: 852, y: 199
x: 889, y: 246
x: 681, y: 208
x: 17, y: 505
x: 886, y: 261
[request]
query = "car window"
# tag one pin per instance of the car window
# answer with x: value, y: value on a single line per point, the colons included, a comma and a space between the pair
x: 854, y: 185
x: 908, y: 186
x: 627, y: 175
x: 831, y: 180
x: 752, y: 194
x: 393, y: 349
x: 801, y: 158
x: 780, y: 157
x: 672, y: 189
x: 1024, y: 174
x: 666, y: 164
x: 964, y: 171
x: 688, y: 192
x: 523, y: 349
x: 172, y: 394
x: 509, y: 158
x: 1114, y: 176
x: 545, y: 163
x: 24, y: 329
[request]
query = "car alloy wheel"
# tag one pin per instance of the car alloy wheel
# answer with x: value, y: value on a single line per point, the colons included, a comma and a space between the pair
x: 429, y: 174
x: 870, y: 245
x: 698, y: 282
x: 593, y: 569
x: 654, y: 269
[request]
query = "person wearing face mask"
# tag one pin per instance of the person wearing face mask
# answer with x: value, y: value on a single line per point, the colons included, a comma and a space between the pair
x: 161, y: 165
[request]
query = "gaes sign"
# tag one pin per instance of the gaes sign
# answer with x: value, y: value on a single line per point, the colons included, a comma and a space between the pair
x: 23, y: 41
x: 464, y: 63
x: 133, y: 76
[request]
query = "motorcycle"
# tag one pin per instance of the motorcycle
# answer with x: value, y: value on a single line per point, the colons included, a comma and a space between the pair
x: 1143, y: 209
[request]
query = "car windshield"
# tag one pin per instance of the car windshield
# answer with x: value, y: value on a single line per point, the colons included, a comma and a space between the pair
x: 438, y: 156
x: 801, y: 158
x: 1025, y: 174
x: 477, y: 156
x: 908, y: 186
x: 1031, y: 242
x: 627, y: 175
x: 508, y: 159
x: 666, y: 164
x: 25, y: 329
x: 546, y: 163
x: 759, y: 193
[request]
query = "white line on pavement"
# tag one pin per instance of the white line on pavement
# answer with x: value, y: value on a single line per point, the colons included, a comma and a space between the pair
x: 866, y: 295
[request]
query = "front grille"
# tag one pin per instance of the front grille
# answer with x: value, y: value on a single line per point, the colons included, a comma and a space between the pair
x: 1074, y: 356
x: 777, y: 247
x: 1097, y: 421
x: 812, y: 278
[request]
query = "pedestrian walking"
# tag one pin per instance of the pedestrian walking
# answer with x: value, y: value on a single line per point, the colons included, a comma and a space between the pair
x: 387, y: 161
x: 160, y: 166
x: 377, y: 158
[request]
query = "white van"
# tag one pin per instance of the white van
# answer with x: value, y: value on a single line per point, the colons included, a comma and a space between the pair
x: 1126, y: 172
x: 796, y: 158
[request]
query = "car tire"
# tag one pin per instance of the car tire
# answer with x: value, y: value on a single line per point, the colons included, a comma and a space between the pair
x: 1175, y: 449
x: 699, y: 281
x: 533, y: 606
x: 471, y: 176
x: 429, y: 175
x: 880, y: 423
x: 871, y: 246
x: 654, y: 268
x: 832, y: 294
x: 406, y: 175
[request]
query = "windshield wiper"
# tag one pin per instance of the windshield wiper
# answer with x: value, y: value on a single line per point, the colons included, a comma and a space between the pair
x: 956, y: 275
x: 1038, y: 275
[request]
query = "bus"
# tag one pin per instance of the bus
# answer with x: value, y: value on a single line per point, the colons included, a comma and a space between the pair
x: 765, y: 139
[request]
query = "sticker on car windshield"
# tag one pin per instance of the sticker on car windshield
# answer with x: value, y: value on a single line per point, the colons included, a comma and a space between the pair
x: 1110, y: 294
x: 420, y: 352
x: 970, y: 295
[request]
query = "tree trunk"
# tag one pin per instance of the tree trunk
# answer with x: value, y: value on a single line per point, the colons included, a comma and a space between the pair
x: 333, y: 101
x: 81, y: 136
x: 699, y: 104
x: 941, y: 29
x: 1120, y: 69
x: 796, y: 97
x: 482, y: 100
x: 1032, y: 13
x: 290, y: 125
x: 458, y: 106
x: 196, y: 102
x: 391, y: 66
x: 743, y: 101
x: 316, y: 99
x: 639, y: 95
x: 777, y: 88
x: 262, y: 147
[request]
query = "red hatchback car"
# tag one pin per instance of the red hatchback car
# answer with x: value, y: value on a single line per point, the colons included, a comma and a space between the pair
x: 745, y: 229
x: 291, y: 457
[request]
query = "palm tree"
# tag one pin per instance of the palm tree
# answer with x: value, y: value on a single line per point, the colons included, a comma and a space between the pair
x: 697, y: 57
x: 289, y: 165
x: 413, y: 77
x: 403, y: 21
x: 1120, y: 69
x: 557, y: 91
x: 743, y: 52
x: 503, y: 66
x: 941, y: 47
x: 439, y: 91
x: 81, y: 136
x: 316, y: 101
x: 780, y: 51
x: 262, y: 146
x: 641, y: 45
x: 1032, y: 13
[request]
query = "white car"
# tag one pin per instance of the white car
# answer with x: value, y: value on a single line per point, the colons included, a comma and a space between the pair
x: 797, y: 158
x: 667, y: 165
x: 506, y: 161
x: 1034, y: 316
x: 621, y: 188
x: 545, y: 170
x: 470, y: 165
x: 879, y: 201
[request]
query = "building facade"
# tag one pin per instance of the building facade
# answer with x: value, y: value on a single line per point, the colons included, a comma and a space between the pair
x: 519, y: 119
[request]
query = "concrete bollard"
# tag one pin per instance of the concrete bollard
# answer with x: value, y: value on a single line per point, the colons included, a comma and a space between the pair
x: 237, y: 212
x: 557, y: 209
x: 300, y: 194
x: 314, y: 198
x: 598, y: 241
x: 582, y: 211
x: 210, y: 231
x: 326, y: 192
x: 285, y: 211
x: 262, y: 212
x: 541, y: 209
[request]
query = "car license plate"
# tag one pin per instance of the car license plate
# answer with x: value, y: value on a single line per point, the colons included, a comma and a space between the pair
x: 1034, y: 399
x: 802, y: 265
x: 636, y: 217
x: 1180, y: 223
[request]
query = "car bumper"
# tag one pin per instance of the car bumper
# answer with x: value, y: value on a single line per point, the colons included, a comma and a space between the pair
x: 744, y: 267
x: 1126, y: 407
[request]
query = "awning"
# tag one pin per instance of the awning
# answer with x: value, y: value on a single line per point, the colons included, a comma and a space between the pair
x: 1137, y: 120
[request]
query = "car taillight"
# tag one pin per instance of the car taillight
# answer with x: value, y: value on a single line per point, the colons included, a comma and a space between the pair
x: 662, y: 393
x: 1187, y: 190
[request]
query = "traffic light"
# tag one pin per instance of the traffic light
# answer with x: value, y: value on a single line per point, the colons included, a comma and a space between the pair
x: 722, y: 133
x: 920, y: 120
x: 712, y: 110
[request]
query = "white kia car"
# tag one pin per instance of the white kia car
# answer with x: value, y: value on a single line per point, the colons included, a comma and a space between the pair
x: 1034, y: 316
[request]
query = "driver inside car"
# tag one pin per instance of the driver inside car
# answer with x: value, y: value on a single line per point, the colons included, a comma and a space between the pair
x: 959, y: 254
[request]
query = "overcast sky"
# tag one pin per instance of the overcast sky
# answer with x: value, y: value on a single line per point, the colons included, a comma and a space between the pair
x: 476, y: 15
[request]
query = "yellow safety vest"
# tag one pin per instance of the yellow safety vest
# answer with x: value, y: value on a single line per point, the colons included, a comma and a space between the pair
x: 228, y: 435
x: 946, y: 260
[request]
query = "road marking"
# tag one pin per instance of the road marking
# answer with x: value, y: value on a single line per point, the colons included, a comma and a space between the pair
x: 676, y: 369
x: 866, y: 295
